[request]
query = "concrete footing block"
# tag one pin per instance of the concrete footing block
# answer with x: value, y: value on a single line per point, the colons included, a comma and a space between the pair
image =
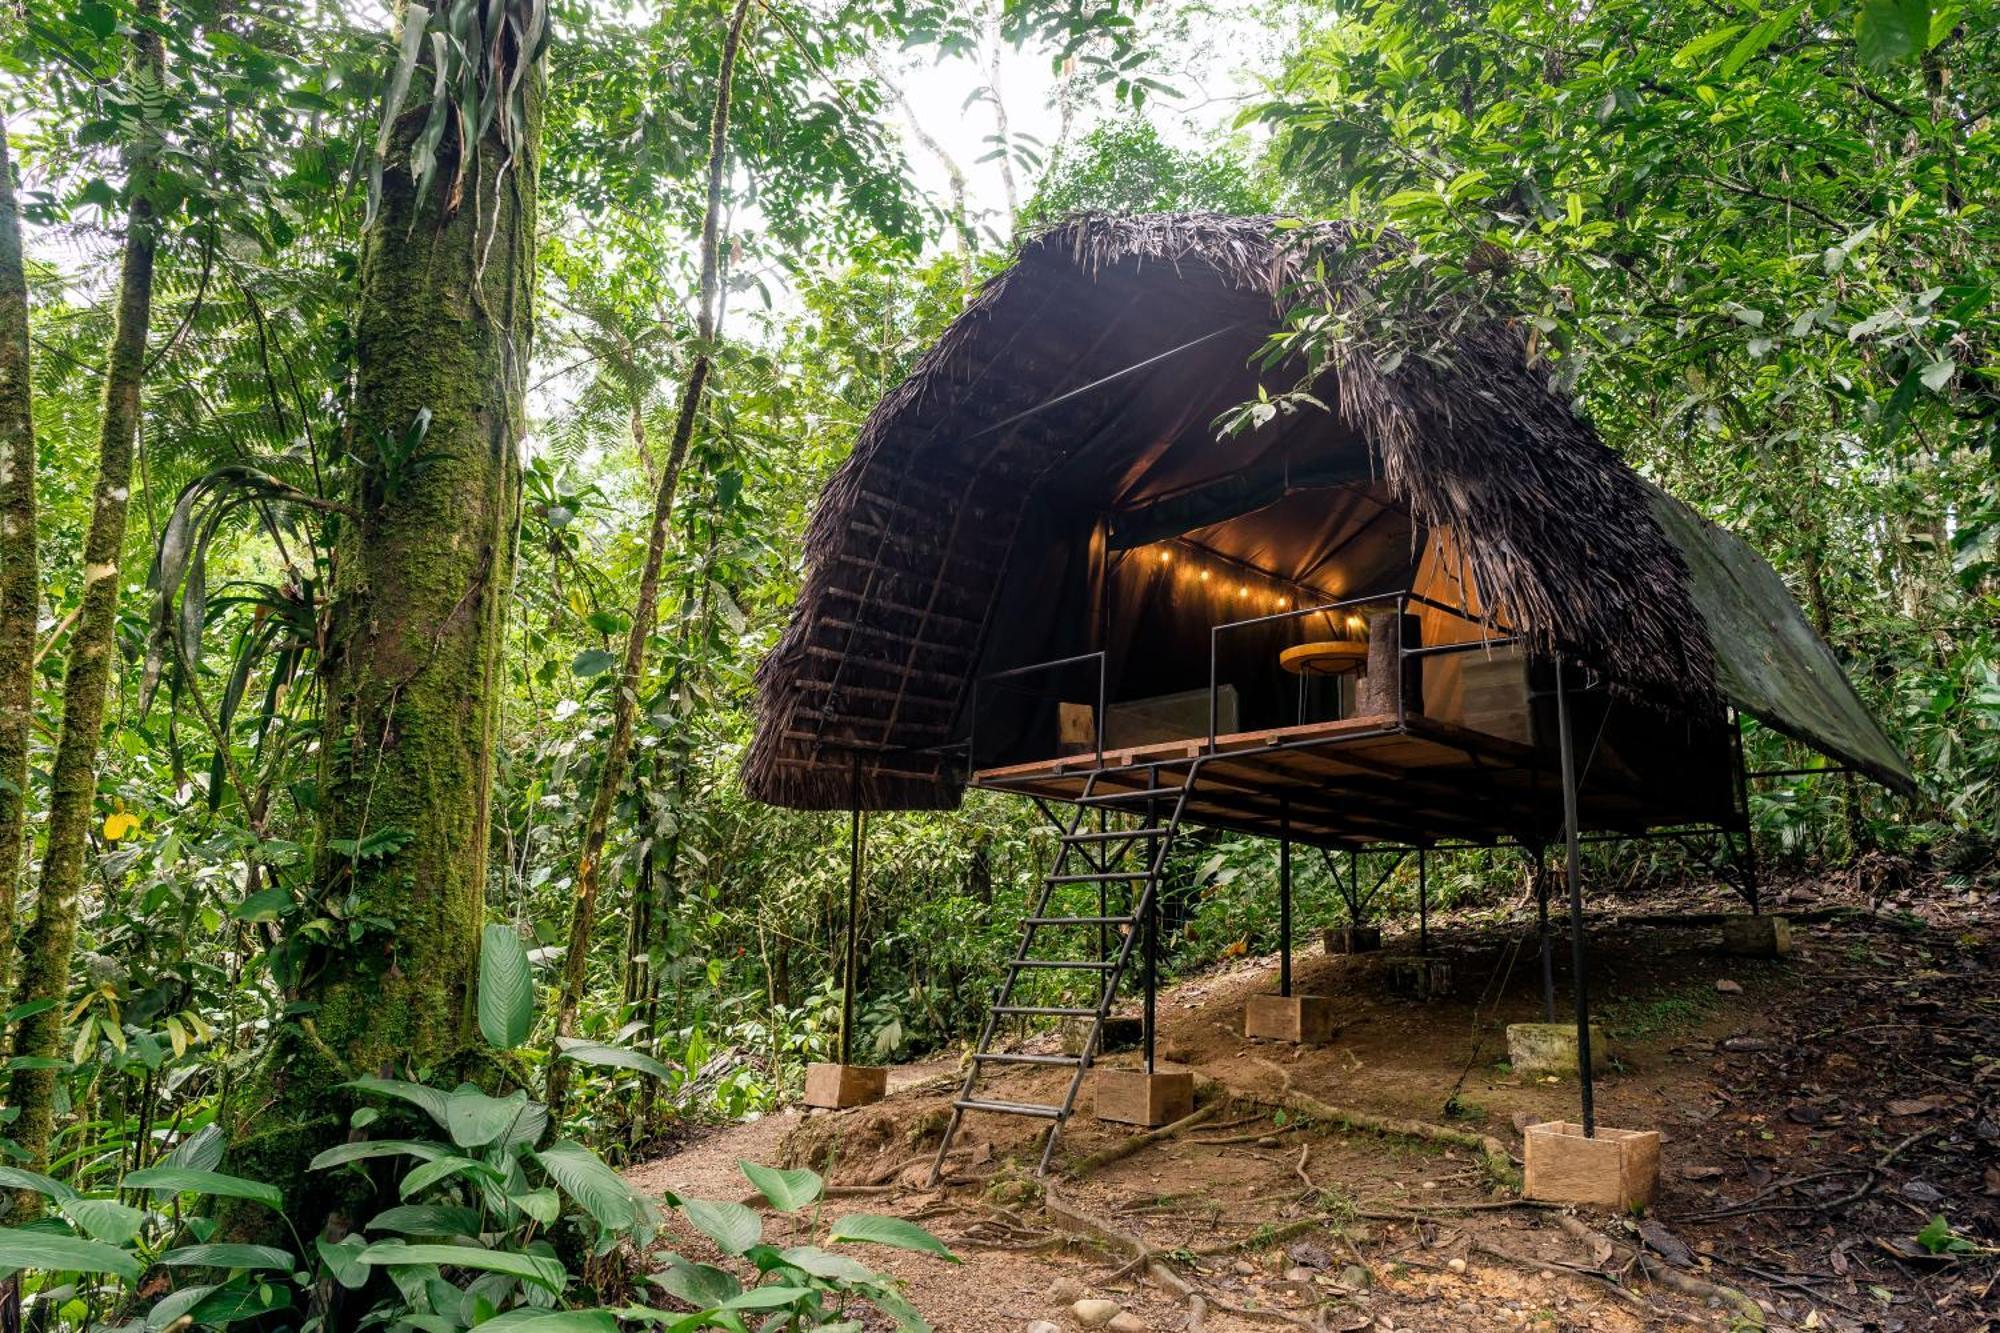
x: 1616, y: 1168
x: 1550, y: 1048
x: 840, y: 1086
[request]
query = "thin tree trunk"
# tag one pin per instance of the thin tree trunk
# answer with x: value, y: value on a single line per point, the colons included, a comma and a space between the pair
x: 50, y: 943
x: 20, y: 576
x: 995, y: 48
x: 963, y: 240
x: 625, y: 708
x: 412, y: 674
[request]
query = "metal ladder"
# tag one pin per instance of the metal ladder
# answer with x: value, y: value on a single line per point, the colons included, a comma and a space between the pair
x: 1103, y: 851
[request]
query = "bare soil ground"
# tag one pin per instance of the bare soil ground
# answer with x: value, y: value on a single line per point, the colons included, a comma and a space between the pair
x: 1818, y: 1112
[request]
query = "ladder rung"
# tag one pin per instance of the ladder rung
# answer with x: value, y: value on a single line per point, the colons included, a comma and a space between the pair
x: 1035, y: 1109
x: 1076, y: 920
x: 1009, y: 1058
x: 1044, y: 1011
x: 1097, y: 878
x: 1062, y: 964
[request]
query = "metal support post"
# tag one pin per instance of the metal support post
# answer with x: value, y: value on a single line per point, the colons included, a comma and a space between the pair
x: 857, y: 835
x: 1580, y: 981
x: 1284, y: 898
x: 1423, y: 905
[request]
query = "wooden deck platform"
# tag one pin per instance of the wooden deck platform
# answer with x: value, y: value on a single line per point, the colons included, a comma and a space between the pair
x: 1360, y: 781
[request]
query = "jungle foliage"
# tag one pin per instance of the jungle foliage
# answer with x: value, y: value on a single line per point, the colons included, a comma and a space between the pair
x: 425, y: 306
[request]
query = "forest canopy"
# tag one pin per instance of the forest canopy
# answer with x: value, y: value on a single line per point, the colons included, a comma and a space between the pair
x: 411, y: 414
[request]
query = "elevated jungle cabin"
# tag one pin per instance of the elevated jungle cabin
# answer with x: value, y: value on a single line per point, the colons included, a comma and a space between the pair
x: 1440, y: 612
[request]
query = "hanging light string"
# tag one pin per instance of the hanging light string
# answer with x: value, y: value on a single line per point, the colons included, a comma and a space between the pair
x: 1233, y: 585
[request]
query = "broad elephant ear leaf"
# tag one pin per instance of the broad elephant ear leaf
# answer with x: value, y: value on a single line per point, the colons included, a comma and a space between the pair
x: 506, y: 989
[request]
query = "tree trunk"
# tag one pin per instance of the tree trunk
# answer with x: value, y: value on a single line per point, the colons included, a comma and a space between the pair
x: 625, y: 705
x: 50, y: 943
x: 412, y: 667
x: 20, y: 576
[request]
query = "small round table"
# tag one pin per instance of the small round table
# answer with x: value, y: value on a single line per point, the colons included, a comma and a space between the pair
x: 1328, y: 657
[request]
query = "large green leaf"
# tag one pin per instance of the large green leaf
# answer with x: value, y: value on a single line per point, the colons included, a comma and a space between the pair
x: 476, y: 1119
x: 825, y: 1264
x: 527, y: 1320
x: 185, y: 1180
x: 363, y: 1149
x: 701, y: 1285
x: 731, y: 1226
x: 227, y: 1305
x: 226, y: 1256
x: 506, y: 989
x: 343, y: 1259
x: 430, y: 1173
x: 426, y: 1219
x: 65, y: 1254
x: 1886, y: 31
x: 431, y: 1099
x: 13, y: 1177
x: 542, y: 1271
x: 169, y: 1309
x: 879, y: 1230
x: 615, y: 1057
x: 201, y: 1150
x: 786, y: 1191
x: 766, y: 1298
x: 107, y: 1220
x: 596, y: 1187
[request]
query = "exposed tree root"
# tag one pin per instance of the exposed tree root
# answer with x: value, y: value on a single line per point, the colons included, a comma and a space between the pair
x: 1687, y: 1284
x: 1126, y: 1147
x: 1493, y: 1154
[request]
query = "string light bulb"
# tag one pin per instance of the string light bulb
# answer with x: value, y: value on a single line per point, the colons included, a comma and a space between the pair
x: 1166, y: 557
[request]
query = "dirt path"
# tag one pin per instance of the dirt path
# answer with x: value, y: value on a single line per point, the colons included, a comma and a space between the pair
x: 1817, y: 1112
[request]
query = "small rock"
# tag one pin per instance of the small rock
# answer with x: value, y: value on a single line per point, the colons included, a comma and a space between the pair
x: 1095, y: 1313
x: 1268, y: 1141
x: 1127, y: 1322
x: 1354, y: 1277
x: 1548, y: 1275
x: 1728, y: 987
x: 1300, y: 1274
x: 1044, y: 1326
x: 1455, y: 1265
x: 1244, y: 1268
x: 1065, y: 1290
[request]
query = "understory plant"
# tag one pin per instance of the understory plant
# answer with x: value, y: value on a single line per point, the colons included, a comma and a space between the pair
x: 485, y: 1221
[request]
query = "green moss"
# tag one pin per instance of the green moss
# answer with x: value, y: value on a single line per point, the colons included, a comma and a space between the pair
x: 412, y: 668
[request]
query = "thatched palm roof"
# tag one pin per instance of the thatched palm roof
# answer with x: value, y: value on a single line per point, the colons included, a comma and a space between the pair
x: 908, y: 550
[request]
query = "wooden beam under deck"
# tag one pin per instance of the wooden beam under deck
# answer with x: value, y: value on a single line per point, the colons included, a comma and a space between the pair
x: 1354, y: 782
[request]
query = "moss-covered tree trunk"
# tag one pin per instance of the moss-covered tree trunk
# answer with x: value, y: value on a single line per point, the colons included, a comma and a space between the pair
x: 645, y: 607
x: 49, y: 943
x: 412, y: 668
x: 19, y: 573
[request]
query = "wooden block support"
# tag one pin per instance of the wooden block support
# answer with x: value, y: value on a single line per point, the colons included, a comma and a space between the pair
x: 1550, y: 1048
x: 1304, y: 1019
x: 1353, y: 939
x: 1134, y: 1097
x: 841, y: 1086
x: 1757, y: 936
x: 1620, y: 1168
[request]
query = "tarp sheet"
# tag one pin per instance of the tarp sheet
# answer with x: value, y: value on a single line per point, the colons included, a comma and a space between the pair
x: 1769, y: 662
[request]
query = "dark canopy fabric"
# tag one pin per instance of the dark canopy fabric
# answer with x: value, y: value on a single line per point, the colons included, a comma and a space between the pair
x: 1769, y: 662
